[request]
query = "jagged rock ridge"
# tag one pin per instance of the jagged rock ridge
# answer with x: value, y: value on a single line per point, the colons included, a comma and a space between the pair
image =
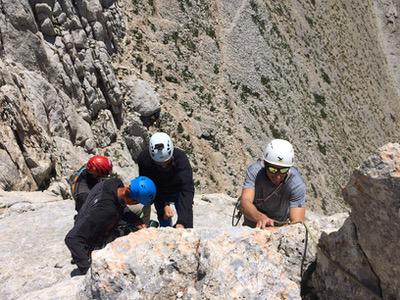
x: 361, y: 260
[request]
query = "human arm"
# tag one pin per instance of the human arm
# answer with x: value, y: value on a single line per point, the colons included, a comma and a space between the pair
x: 251, y: 212
x: 297, y: 203
x: 132, y: 218
x: 184, y: 204
x: 297, y: 214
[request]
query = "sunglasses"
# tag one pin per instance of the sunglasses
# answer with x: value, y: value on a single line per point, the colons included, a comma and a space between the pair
x: 274, y: 170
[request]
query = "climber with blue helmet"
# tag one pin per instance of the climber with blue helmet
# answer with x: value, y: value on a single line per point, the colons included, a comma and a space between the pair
x: 170, y: 169
x: 104, y: 208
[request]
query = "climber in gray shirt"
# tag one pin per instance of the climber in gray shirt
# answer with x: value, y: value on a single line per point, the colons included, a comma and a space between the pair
x: 273, y: 189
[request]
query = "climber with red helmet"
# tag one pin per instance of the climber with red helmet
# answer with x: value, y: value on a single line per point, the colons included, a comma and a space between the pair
x: 273, y: 190
x: 96, y: 169
x: 101, y: 213
x: 170, y: 170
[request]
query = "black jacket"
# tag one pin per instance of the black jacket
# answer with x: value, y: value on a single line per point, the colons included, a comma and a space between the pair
x: 177, y: 179
x: 96, y: 219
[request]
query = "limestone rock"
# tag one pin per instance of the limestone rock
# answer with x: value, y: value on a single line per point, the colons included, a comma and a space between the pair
x: 33, y: 255
x: 141, y: 97
x: 361, y: 260
x: 192, y: 264
x: 57, y: 83
x: 35, y: 262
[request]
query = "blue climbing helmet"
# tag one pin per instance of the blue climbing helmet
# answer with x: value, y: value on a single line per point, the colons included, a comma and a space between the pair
x: 142, y: 189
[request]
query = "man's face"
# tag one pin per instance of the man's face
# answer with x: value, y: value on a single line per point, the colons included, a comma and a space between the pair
x: 126, y: 199
x: 130, y: 201
x: 276, y: 174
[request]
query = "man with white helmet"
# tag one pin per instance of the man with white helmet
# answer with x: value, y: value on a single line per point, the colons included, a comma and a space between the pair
x: 273, y: 189
x: 170, y: 170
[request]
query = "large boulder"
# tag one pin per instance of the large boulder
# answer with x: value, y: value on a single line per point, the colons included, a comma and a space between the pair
x: 361, y: 260
x: 193, y: 264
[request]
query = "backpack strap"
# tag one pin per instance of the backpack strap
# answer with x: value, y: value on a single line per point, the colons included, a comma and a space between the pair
x: 75, y: 178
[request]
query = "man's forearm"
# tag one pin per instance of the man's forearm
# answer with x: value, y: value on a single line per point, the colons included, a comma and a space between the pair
x: 250, y: 211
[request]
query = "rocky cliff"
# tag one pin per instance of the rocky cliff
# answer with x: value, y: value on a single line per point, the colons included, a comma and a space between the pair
x: 233, y: 74
x: 84, y: 77
x: 60, y: 99
x: 361, y: 260
x: 347, y: 257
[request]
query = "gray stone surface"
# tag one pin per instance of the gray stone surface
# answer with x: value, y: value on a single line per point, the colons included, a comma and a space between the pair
x: 33, y: 256
x: 141, y: 97
x: 192, y: 264
x: 361, y: 259
x: 57, y: 82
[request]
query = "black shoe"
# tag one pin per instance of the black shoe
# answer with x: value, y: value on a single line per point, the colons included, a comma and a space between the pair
x: 79, y: 272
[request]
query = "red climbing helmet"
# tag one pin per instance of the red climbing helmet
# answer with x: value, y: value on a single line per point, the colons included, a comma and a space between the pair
x: 99, y: 166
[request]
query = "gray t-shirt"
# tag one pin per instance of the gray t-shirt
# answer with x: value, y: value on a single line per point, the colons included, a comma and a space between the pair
x: 272, y: 200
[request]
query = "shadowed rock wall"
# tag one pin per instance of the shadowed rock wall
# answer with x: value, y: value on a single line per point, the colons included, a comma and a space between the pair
x: 361, y: 260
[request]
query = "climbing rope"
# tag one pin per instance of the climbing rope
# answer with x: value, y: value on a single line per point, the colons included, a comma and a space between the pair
x: 303, y: 258
x: 237, y: 215
x: 323, y: 252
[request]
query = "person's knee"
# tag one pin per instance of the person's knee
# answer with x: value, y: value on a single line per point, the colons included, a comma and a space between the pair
x: 69, y: 240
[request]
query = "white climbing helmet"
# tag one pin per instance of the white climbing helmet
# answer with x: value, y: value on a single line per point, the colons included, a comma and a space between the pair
x: 160, y: 147
x: 279, y: 152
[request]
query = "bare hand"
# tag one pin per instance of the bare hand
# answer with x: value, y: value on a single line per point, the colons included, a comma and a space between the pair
x: 141, y: 226
x: 168, y: 212
x: 264, y: 222
x: 179, y: 226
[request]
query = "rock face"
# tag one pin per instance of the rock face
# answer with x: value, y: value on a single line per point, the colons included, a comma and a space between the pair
x: 59, y: 97
x: 33, y: 256
x: 222, y: 77
x: 361, y: 260
x: 234, y: 74
x: 192, y: 264
x: 212, y: 260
